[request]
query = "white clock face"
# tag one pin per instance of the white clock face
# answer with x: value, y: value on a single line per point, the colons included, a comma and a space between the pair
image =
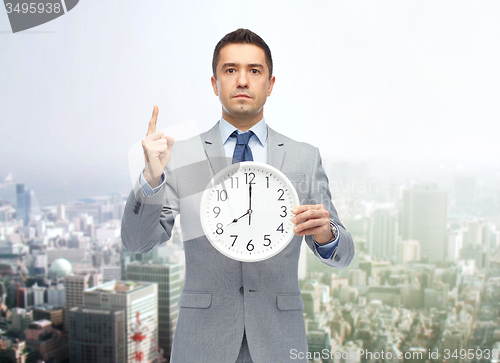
x: 246, y: 211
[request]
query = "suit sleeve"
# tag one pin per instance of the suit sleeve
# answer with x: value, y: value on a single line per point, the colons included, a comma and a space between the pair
x: 148, y: 220
x: 319, y: 193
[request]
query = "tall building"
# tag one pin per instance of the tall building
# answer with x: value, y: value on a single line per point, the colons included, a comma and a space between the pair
x: 74, y: 286
x: 424, y: 215
x: 57, y: 295
x: 139, y: 302
x: 383, y: 233
x: 26, y: 204
x: 96, y: 335
x: 408, y: 251
x: 167, y: 276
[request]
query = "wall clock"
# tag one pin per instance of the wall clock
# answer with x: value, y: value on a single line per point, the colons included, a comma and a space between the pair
x: 246, y: 211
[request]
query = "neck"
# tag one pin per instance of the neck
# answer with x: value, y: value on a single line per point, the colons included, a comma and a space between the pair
x: 243, y: 123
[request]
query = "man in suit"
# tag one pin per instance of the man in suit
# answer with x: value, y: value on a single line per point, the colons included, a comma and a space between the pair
x: 231, y: 311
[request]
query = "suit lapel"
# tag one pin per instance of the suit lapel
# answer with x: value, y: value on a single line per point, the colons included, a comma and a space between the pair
x: 275, y: 148
x: 215, y: 150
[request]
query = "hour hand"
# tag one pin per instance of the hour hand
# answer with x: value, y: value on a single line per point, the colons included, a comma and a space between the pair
x: 236, y: 219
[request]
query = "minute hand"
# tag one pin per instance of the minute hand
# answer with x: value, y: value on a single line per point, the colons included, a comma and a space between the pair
x: 249, y: 203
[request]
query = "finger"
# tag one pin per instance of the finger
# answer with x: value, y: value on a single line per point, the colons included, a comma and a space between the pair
x: 170, y: 142
x: 158, y: 142
x: 312, y: 226
x: 311, y: 214
x: 145, y: 151
x: 152, y: 122
x: 303, y: 208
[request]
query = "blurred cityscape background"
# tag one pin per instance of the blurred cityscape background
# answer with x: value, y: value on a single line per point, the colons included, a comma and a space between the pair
x: 425, y: 278
x: 400, y: 98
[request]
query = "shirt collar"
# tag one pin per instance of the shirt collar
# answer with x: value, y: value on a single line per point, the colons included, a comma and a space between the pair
x: 259, y: 129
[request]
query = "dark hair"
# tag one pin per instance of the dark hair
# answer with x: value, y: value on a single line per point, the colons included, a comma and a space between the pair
x: 242, y: 36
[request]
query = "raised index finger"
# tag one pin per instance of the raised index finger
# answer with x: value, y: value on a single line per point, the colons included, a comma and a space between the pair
x: 152, y: 123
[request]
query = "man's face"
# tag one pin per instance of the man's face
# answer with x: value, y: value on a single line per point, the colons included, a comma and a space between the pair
x: 242, y: 83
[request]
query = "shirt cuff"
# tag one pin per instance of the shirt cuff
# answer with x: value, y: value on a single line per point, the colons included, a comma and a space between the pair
x: 326, y: 250
x: 147, y: 188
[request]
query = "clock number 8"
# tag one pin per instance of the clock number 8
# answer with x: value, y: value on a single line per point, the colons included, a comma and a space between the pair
x: 219, y: 229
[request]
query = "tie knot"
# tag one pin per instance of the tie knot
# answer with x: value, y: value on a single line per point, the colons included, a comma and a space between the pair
x: 242, y: 139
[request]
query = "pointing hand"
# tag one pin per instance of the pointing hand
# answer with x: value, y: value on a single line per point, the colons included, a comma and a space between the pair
x: 157, y: 151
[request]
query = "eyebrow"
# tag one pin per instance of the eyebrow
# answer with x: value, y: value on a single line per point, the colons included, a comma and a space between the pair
x: 251, y: 65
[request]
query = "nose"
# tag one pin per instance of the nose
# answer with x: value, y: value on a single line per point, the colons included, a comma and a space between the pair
x: 242, y: 80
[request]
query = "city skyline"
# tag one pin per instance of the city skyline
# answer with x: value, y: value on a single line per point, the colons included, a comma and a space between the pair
x: 407, y: 81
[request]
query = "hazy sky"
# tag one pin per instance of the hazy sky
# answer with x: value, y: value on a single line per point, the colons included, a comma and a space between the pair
x: 406, y: 80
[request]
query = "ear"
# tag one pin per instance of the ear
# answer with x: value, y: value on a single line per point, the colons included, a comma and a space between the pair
x: 214, y: 86
x: 270, y: 87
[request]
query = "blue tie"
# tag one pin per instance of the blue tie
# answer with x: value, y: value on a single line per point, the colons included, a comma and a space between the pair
x: 242, y: 151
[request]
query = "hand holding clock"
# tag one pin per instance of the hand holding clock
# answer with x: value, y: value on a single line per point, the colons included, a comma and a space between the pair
x: 157, y: 151
x: 312, y: 219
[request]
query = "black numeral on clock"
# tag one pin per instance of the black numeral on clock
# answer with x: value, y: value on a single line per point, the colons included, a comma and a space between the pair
x: 234, y: 181
x: 219, y: 229
x: 221, y: 195
x: 249, y: 177
x: 284, y: 214
x: 280, y: 198
x: 280, y: 228
x: 250, y: 245
x: 235, y: 236
x: 266, y: 238
x: 216, y: 211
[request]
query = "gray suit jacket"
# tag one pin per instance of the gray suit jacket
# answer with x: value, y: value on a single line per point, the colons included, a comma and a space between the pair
x: 222, y: 297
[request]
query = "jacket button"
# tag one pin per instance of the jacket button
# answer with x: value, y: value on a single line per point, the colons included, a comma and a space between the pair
x: 241, y: 290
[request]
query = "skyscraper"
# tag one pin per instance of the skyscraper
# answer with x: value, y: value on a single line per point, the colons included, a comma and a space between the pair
x: 26, y: 204
x: 139, y: 301
x: 167, y: 275
x: 74, y: 285
x: 383, y: 233
x: 424, y: 215
x: 96, y: 335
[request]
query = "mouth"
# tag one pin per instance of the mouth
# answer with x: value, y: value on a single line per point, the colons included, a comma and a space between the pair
x: 242, y: 95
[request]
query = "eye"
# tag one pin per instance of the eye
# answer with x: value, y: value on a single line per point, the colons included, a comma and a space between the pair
x: 230, y: 70
x: 255, y: 71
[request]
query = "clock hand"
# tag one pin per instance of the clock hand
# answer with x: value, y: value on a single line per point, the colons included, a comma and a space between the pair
x: 236, y: 219
x: 250, y: 203
x: 250, y: 197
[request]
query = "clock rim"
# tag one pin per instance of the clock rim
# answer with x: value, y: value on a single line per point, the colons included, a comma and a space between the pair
x: 237, y: 167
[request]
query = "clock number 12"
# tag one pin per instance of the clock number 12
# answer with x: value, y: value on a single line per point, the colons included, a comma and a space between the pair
x: 250, y: 176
